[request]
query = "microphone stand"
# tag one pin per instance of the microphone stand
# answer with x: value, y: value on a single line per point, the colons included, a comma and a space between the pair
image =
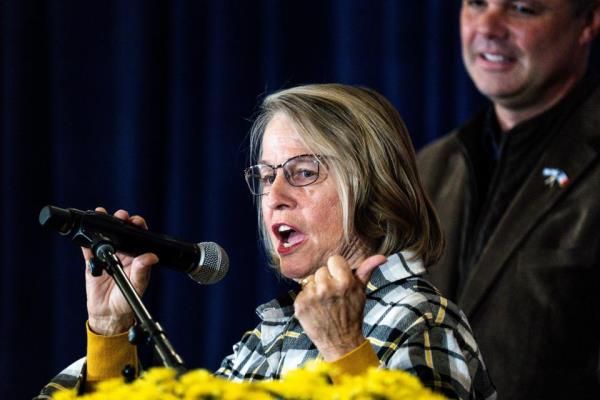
x: 146, y: 329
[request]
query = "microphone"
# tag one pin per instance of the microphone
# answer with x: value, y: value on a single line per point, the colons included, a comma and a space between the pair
x: 206, y: 263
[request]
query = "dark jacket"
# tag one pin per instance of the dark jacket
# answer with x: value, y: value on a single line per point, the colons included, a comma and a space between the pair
x: 533, y: 295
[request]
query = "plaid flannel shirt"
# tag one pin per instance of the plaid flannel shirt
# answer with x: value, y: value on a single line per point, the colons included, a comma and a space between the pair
x: 409, y: 324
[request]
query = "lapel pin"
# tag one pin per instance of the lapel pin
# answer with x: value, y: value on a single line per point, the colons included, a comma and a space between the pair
x: 555, y: 176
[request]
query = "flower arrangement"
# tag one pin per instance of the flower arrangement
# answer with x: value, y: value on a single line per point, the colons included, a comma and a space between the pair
x: 307, y: 383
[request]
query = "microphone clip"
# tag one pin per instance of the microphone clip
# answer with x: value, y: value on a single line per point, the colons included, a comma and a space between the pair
x: 94, y: 240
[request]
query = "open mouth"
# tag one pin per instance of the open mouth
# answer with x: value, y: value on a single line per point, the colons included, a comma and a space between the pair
x: 288, y: 236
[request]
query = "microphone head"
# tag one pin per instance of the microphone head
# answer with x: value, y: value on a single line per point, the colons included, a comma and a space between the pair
x: 213, y: 264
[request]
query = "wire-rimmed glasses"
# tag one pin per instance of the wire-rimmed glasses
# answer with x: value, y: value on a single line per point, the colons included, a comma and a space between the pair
x: 301, y: 170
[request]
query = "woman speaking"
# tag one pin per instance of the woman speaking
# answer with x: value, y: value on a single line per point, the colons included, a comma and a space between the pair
x: 342, y: 212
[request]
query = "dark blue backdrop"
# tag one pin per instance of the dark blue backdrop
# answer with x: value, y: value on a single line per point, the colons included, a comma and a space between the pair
x: 145, y: 105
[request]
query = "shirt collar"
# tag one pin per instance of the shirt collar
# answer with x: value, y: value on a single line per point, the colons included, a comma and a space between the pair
x: 399, y: 266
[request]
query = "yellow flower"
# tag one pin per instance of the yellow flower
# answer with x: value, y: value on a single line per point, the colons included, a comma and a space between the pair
x: 312, y: 381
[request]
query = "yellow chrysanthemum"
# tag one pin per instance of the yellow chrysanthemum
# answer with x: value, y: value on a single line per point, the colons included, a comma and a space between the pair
x: 307, y: 383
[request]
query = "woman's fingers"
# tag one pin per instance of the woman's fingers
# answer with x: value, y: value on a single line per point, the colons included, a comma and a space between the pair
x: 330, y: 307
x: 122, y: 214
x: 138, y: 221
x: 87, y: 254
x: 340, y: 270
x: 140, y: 271
x: 366, y: 268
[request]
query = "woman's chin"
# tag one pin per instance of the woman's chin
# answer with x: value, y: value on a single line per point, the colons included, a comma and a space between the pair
x: 295, y: 271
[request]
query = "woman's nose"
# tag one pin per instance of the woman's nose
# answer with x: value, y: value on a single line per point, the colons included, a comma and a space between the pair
x: 280, y: 193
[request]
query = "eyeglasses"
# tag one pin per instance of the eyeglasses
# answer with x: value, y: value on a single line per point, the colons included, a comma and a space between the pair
x: 299, y: 171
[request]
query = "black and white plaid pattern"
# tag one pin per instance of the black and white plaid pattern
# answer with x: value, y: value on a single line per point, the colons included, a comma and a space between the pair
x: 409, y: 324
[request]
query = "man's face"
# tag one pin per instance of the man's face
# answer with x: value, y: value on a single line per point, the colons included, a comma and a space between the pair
x: 522, y: 52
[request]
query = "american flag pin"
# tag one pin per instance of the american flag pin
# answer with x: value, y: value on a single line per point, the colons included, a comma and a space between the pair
x: 555, y: 176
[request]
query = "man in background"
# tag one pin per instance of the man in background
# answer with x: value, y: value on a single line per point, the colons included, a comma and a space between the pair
x: 517, y: 189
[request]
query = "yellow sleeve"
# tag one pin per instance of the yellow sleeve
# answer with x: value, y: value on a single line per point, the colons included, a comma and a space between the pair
x: 107, y: 355
x: 355, y: 362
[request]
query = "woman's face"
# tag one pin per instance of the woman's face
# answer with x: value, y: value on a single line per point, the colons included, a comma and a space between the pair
x: 304, y: 223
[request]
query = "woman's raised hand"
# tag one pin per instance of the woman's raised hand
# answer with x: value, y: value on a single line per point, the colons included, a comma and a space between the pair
x: 108, y: 311
x: 331, y: 305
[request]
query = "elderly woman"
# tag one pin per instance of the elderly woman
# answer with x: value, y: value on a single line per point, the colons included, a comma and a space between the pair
x: 341, y: 211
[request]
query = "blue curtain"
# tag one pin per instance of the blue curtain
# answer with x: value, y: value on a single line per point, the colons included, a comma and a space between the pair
x: 145, y: 105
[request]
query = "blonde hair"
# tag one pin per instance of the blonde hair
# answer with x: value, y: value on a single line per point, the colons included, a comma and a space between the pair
x: 366, y: 146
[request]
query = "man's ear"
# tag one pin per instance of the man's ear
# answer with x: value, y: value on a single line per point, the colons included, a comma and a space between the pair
x: 591, y: 26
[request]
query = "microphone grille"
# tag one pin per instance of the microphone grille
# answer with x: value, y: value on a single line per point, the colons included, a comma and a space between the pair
x: 213, y: 265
